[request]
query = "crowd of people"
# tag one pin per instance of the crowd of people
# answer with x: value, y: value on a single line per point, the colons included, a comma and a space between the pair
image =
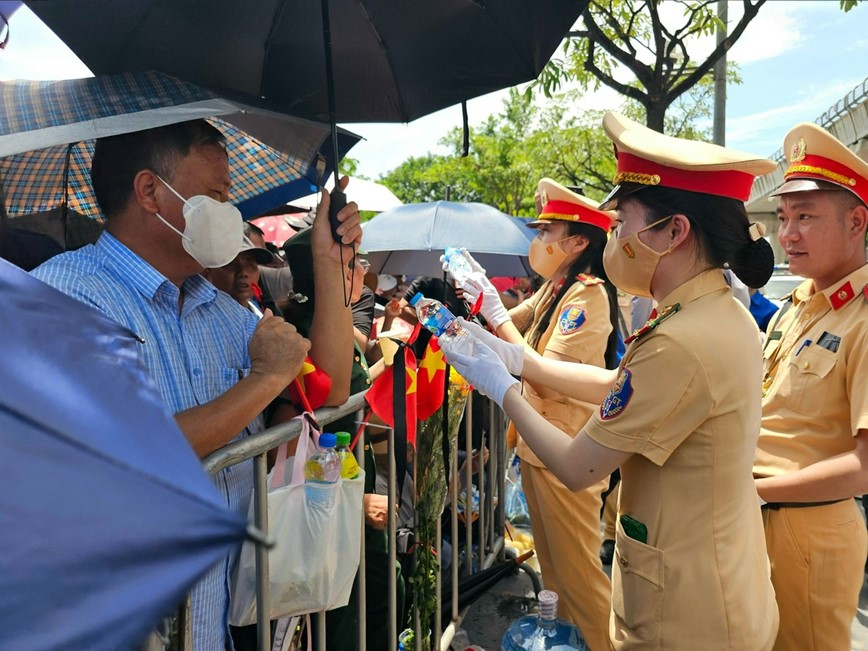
x: 740, y: 442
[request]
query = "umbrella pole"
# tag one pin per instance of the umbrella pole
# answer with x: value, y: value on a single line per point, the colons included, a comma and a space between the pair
x: 330, y: 85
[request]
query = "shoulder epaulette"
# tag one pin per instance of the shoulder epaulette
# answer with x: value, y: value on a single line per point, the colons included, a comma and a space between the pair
x: 588, y: 280
x: 664, y: 314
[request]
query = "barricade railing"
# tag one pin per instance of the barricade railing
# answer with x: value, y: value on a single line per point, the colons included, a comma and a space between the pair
x: 491, y: 520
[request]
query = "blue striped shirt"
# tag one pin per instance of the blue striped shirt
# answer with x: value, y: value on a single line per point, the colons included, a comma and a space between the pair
x: 193, y: 357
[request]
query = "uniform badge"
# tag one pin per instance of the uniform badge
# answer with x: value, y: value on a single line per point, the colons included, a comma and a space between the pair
x: 798, y: 151
x: 618, y: 397
x: 571, y: 319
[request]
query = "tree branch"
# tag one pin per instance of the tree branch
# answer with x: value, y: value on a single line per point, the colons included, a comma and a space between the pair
x: 596, y: 36
x: 610, y: 81
x: 750, y: 12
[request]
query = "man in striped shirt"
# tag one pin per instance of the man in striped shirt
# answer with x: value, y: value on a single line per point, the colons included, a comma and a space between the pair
x: 216, y: 365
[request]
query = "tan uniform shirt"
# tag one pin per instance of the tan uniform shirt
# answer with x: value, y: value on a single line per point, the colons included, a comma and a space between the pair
x: 816, y: 397
x: 687, y: 405
x: 579, y: 330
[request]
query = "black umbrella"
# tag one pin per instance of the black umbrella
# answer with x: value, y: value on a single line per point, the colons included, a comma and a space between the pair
x: 347, y: 60
x: 394, y: 60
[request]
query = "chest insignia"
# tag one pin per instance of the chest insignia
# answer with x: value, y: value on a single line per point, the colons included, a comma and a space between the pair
x: 571, y: 319
x: 619, y: 396
x: 653, y: 322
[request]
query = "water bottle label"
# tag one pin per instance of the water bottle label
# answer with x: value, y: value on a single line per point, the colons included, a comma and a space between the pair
x: 437, y: 322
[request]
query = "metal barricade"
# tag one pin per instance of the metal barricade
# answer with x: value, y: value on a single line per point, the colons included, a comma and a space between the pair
x: 491, y: 479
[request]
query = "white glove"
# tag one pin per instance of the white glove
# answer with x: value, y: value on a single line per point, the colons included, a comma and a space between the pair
x: 474, y: 285
x: 512, y: 355
x: 478, y: 364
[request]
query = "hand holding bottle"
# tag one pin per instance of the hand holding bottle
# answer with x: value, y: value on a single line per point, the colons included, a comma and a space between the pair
x: 512, y: 355
x: 479, y: 365
x: 476, y: 284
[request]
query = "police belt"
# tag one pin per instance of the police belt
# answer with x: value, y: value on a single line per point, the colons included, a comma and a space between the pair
x: 775, y: 506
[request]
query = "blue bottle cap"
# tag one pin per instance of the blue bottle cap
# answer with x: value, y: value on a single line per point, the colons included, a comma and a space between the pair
x: 416, y: 298
x: 327, y: 440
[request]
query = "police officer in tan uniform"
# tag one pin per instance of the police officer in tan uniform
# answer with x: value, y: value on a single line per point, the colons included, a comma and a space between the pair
x: 572, y: 317
x: 812, y: 452
x: 682, y: 413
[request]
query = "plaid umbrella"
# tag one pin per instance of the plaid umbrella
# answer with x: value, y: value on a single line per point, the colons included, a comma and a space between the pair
x: 47, y: 131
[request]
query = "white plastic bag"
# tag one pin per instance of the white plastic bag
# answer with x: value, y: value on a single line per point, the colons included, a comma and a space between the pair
x: 313, y: 565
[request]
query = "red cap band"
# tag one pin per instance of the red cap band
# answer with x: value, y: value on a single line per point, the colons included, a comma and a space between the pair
x: 575, y: 212
x: 724, y: 183
x: 820, y: 168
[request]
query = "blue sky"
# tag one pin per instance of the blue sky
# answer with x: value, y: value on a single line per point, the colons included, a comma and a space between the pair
x: 797, y: 59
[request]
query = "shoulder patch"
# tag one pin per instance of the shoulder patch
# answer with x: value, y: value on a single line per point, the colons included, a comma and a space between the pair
x: 571, y: 319
x: 619, y: 396
x: 587, y: 279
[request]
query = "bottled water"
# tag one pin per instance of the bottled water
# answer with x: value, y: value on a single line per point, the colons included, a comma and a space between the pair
x: 349, y: 465
x: 543, y: 632
x: 458, y: 266
x: 322, y: 469
x: 436, y: 317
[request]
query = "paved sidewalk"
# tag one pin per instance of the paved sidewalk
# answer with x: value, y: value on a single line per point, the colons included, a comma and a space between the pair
x: 490, y: 616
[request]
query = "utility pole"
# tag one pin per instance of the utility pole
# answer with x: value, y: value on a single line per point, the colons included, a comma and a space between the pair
x: 719, y: 129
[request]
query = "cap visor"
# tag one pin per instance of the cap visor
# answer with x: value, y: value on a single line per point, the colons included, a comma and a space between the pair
x: 618, y: 192
x: 539, y: 222
x: 805, y: 185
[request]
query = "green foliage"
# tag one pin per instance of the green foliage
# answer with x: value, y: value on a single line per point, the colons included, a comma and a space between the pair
x: 633, y: 35
x: 847, y: 5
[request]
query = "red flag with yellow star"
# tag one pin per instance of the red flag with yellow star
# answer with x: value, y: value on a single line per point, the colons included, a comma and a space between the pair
x: 430, y: 380
x: 382, y: 392
x: 314, y: 382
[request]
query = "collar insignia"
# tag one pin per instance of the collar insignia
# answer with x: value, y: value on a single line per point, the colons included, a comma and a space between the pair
x: 652, y: 323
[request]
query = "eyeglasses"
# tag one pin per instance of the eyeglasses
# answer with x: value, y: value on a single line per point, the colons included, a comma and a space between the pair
x: 361, y: 263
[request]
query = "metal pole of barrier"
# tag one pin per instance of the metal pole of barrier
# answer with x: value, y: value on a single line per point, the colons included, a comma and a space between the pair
x: 438, y: 586
x: 483, y: 534
x: 393, y: 552
x: 453, y: 480
x: 363, y: 592
x: 468, y: 484
x: 263, y: 585
x: 492, y: 471
x: 320, y: 631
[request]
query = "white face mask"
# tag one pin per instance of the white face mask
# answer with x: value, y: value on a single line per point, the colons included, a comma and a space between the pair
x: 213, y: 230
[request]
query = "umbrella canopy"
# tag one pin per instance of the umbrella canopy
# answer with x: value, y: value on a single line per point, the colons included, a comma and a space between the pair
x: 410, y: 239
x: 106, y: 513
x: 392, y: 61
x: 272, y: 156
x: 279, y: 228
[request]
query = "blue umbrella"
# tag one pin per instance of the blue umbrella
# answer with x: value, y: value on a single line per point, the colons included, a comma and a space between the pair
x: 107, y: 516
x: 48, y: 128
x: 409, y: 239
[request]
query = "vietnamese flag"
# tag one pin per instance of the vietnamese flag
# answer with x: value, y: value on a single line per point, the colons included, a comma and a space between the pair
x: 314, y: 382
x: 431, y: 380
x: 381, y: 395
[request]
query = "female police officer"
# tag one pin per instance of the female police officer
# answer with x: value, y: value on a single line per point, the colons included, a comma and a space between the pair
x: 572, y: 317
x: 681, y: 414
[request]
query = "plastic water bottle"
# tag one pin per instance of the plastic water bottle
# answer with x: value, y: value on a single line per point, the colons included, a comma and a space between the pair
x: 543, y: 632
x: 436, y: 317
x: 322, y: 468
x: 349, y: 465
x: 458, y: 266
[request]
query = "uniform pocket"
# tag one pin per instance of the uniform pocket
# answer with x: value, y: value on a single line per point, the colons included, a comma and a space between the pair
x: 803, y: 385
x: 637, y: 585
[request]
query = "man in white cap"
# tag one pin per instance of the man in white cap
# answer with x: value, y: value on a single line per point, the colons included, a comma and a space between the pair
x: 812, y: 454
